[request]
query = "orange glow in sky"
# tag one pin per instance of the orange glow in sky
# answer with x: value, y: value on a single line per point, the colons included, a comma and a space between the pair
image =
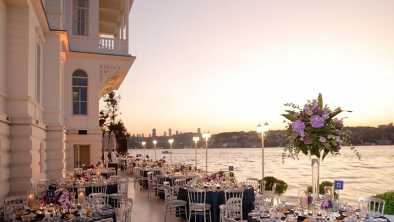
x: 227, y: 64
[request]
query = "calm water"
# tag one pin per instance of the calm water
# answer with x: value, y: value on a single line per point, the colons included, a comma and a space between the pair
x: 374, y: 173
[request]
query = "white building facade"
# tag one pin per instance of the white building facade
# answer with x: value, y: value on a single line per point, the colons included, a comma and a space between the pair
x: 57, y: 59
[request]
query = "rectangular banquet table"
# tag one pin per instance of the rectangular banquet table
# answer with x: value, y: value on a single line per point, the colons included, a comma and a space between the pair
x: 216, y: 198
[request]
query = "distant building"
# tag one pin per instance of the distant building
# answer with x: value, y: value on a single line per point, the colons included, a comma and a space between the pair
x: 154, y: 132
x: 165, y: 133
x: 176, y: 132
x: 199, y: 131
x: 142, y: 135
x: 169, y: 132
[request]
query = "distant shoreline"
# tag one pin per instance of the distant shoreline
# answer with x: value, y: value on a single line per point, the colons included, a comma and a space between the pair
x: 275, y: 147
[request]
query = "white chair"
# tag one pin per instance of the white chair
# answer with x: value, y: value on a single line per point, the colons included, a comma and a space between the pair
x: 11, y: 204
x: 229, y: 193
x: 234, y: 193
x: 265, y: 200
x: 198, y: 205
x: 252, y: 182
x: 172, y: 204
x: 151, y: 184
x: 99, y: 187
x: 136, y: 175
x: 178, y: 183
x: 160, y: 179
x: 371, y: 205
x: 124, y: 212
x: 234, y: 209
x: 98, y: 200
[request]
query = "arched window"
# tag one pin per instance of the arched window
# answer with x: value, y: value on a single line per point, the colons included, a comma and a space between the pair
x: 80, y: 92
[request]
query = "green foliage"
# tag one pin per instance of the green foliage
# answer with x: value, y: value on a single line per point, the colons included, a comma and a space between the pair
x: 321, y: 187
x: 280, y: 185
x: 388, y: 197
x: 109, y: 120
x: 324, y: 184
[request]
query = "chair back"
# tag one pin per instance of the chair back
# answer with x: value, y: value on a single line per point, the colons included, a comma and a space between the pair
x: 265, y: 200
x: 234, y: 208
x: 169, y: 193
x: 99, y: 187
x: 123, y: 186
x: 150, y: 176
x: 156, y: 171
x: 98, y: 200
x: 181, y: 182
x: 160, y: 179
x: 123, y: 213
x: 178, y: 183
x: 111, y: 171
x: 11, y: 204
x: 231, y: 193
x: 197, y: 196
x: 372, y: 205
x: 252, y: 182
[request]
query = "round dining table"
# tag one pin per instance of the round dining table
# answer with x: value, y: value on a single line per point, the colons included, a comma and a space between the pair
x: 216, y: 198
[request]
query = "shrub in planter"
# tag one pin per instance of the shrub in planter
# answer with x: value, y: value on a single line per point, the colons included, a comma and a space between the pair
x: 280, y: 185
x: 388, y: 197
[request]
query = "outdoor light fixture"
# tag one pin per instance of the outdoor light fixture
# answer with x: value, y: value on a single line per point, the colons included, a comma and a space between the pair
x: 261, y: 129
x: 206, y: 136
x: 195, y: 140
x: 154, y: 146
x: 171, y: 141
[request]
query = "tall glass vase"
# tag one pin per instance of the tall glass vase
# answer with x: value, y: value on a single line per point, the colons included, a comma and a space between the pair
x: 315, y: 181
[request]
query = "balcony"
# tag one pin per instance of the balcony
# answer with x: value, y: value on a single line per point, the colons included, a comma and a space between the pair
x: 102, y: 45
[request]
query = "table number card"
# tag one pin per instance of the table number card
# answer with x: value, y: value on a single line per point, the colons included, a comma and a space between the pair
x: 338, y: 184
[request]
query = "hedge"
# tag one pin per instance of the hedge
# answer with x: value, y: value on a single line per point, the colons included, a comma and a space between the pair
x: 388, y: 197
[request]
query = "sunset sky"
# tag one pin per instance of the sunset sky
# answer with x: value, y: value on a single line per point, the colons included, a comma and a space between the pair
x: 226, y: 65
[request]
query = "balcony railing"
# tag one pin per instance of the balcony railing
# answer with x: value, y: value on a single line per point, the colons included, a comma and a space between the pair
x: 107, y: 43
x: 102, y: 45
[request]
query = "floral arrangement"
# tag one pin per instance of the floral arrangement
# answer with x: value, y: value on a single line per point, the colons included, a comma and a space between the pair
x: 64, y: 200
x: 315, y: 130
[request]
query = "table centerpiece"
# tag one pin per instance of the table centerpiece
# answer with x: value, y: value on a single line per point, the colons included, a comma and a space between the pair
x: 315, y: 131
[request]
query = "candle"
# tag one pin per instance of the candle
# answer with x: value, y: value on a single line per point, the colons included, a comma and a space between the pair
x: 81, y: 197
x: 30, y: 200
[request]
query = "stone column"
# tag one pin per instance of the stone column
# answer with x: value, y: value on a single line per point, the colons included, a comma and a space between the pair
x: 55, y: 152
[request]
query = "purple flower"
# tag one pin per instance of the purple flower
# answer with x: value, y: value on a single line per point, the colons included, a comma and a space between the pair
x: 299, y: 127
x: 326, y: 204
x: 322, y: 139
x: 317, y: 121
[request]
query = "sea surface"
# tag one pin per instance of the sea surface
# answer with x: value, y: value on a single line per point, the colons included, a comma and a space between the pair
x: 373, y: 174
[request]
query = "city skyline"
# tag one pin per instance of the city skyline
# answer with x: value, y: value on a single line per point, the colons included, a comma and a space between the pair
x: 238, y: 64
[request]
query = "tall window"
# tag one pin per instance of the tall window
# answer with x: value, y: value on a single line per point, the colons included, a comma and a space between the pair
x: 80, y: 92
x: 38, y: 73
x: 80, y: 17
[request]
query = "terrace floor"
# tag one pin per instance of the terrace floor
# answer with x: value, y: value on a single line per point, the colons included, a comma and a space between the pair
x: 148, y: 210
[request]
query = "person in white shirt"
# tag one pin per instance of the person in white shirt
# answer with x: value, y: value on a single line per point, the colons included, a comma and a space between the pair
x: 106, y: 160
x: 114, y: 156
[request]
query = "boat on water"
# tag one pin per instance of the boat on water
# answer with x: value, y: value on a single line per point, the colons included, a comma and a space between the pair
x: 165, y: 152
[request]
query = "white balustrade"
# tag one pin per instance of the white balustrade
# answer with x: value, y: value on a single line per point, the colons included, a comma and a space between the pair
x: 107, y: 43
